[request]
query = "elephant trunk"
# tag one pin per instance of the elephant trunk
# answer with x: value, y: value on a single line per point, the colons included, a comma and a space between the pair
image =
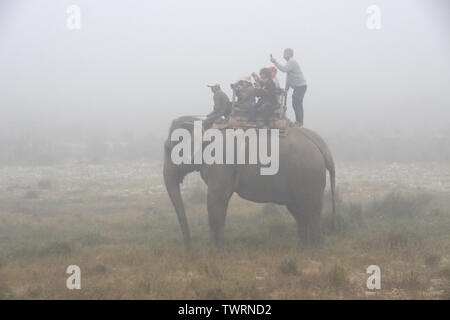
x: 172, y: 182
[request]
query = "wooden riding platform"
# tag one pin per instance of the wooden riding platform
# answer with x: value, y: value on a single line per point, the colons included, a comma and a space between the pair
x: 239, y: 116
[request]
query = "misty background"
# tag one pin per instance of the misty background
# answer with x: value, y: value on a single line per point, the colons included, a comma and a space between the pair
x: 109, y: 91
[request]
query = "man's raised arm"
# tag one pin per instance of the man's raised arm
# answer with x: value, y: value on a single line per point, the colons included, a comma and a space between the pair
x: 286, y: 68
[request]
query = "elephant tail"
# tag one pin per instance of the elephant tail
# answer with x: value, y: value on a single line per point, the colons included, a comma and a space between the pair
x: 329, y: 164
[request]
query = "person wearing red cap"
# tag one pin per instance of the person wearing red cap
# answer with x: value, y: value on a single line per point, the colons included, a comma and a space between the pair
x: 274, y: 75
x: 273, y: 70
x: 267, y: 93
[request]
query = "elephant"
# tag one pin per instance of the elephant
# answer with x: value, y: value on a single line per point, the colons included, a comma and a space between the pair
x: 299, y: 184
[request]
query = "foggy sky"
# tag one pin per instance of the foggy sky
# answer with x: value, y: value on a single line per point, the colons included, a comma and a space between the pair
x: 138, y: 64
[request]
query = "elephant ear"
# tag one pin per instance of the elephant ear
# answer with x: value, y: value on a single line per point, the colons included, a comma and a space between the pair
x: 168, y: 146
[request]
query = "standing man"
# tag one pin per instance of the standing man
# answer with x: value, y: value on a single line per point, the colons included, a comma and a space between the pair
x: 294, y: 80
x: 222, y: 105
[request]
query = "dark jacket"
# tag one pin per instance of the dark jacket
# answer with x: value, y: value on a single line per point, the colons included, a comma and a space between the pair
x: 268, y: 93
x: 246, y: 96
x: 222, y: 104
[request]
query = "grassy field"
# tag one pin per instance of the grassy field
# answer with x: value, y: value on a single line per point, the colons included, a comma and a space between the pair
x: 117, y: 224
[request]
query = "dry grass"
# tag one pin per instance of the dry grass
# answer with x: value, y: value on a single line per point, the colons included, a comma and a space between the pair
x: 128, y: 246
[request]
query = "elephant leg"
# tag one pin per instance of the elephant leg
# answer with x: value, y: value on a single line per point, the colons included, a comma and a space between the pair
x: 217, y: 203
x: 220, y: 190
x: 301, y: 224
x: 307, y: 217
x: 314, y: 230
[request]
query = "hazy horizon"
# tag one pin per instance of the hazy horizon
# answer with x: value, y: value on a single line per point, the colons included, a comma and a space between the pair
x: 134, y: 66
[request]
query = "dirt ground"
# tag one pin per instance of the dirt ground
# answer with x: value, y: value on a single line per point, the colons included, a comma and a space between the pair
x: 117, y: 224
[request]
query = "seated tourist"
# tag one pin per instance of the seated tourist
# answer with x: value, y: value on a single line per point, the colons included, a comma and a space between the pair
x: 245, y: 92
x: 274, y: 76
x: 222, y: 105
x: 266, y: 91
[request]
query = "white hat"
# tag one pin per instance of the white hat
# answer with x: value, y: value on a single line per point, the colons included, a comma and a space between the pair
x: 246, y: 79
x: 213, y: 84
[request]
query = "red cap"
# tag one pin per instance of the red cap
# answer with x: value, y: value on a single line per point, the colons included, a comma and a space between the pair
x: 273, y: 69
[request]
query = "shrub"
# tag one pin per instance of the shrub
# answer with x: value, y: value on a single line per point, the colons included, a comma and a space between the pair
x: 57, y: 249
x: 395, y: 239
x: 411, y: 281
x: 289, y: 268
x: 445, y: 272
x: 432, y: 260
x: 337, y: 276
x: 397, y: 205
x: 100, y: 269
